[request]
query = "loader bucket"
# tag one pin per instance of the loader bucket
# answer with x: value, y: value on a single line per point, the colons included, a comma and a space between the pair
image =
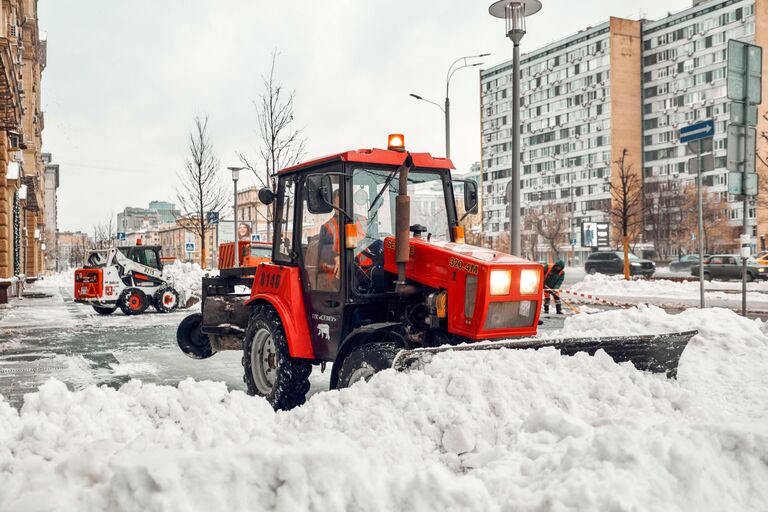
x: 657, y: 353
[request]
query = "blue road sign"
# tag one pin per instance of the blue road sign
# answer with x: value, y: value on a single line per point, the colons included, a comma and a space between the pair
x: 190, y: 246
x: 702, y: 130
x: 212, y: 217
x: 120, y: 235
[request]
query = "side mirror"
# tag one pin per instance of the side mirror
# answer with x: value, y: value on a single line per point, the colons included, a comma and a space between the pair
x: 319, y: 194
x: 470, y: 196
x: 266, y: 196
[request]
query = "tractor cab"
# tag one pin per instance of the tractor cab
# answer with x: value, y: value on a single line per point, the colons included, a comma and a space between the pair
x: 334, y: 219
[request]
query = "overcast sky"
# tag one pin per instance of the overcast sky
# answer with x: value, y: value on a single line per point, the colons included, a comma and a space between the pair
x: 125, y: 79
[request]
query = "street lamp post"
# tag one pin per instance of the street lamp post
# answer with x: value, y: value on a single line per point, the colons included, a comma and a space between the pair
x: 447, y: 105
x: 514, y: 13
x: 235, y: 177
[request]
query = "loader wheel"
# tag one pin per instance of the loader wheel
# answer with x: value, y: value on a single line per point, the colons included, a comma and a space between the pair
x: 133, y: 301
x: 105, y: 310
x: 269, y: 370
x: 191, y: 339
x: 366, y: 360
x: 165, y: 300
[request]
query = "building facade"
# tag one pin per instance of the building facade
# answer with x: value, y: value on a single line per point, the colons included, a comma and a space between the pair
x: 72, y: 248
x: 253, y: 212
x: 623, y: 87
x: 142, y: 225
x: 174, y: 239
x: 22, y: 208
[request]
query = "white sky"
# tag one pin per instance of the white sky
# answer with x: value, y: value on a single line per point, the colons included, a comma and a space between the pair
x: 124, y: 80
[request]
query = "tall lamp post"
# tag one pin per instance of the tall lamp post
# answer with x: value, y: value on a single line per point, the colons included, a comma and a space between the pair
x: 235, y: 177
x: 514, y: 13
x: 447, y: 108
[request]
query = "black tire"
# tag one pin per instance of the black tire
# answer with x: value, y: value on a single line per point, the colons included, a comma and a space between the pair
x: 365, y: 361
x: 591, y: 270
x: 191, y: 339
x: 105, y: 310
x: 707, y: 276
x: 133, y: 301
x: 750, y: 277
x: 268, y: 368
x: 166, y: 299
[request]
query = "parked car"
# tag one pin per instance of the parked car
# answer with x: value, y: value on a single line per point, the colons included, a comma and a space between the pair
x: 684, y: 263
x: 728, y: 266
x: 613, y: 263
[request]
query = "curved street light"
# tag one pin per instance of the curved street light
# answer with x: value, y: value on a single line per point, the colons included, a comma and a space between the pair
x: 447, y: 108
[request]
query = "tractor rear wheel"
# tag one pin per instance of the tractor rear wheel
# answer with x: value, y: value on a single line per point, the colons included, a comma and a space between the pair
x: 133, y: 301
x: 165, y: 299
x: 105, y: 310
x: 366, y: 360
x: 269, y: 369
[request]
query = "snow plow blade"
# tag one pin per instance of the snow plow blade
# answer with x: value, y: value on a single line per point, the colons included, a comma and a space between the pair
x: 657, y: 353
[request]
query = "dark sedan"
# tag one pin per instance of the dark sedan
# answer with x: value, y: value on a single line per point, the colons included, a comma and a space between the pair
x: 684, y: 263
x: 728, y: 266
x: 613, y: 263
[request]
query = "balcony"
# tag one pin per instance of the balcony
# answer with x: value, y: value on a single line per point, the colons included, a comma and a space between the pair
x: 10, y: 100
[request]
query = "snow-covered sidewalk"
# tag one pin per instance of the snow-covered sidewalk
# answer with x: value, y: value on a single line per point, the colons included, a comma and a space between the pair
x: 665, y: 292
x: 504, y: 430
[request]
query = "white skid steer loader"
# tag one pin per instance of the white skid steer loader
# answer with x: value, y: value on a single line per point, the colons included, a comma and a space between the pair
x: 129, y: 278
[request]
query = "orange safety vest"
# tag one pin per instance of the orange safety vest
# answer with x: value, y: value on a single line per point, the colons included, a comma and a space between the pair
x: 332, y: 225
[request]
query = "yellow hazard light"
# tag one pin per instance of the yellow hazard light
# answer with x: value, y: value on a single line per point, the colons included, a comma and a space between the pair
x: 396, y: 142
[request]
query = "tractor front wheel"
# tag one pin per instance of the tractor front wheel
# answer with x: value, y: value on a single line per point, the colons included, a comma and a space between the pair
x: 366, y: 360
x: 133, y: 301
x: 269, y: 369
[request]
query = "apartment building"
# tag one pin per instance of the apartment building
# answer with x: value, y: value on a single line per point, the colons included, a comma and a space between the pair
x: 22, y: 61
x: 623, y: 85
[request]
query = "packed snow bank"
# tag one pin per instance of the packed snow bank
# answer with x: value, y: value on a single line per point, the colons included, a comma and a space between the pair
x: 187, y: 278
x: 511, y: 430
x: 665, y: 291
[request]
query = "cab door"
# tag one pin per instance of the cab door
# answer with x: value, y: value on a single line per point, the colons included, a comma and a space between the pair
x: 321, y: 258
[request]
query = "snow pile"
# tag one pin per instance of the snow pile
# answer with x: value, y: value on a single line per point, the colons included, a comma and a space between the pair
x: 512, y: 430
x: 187, y: 278
x: 665, y: 291
x: 64, y: 279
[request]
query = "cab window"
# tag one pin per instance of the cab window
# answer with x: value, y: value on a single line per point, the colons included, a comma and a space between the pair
x: 321, y: 243
x: 286, y: 199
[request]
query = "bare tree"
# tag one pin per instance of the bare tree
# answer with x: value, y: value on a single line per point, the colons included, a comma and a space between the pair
x: 281, y: 144
x: 627, y: 205
x: 200, y: 189
x: 551, y: 224
x: 104, y: 232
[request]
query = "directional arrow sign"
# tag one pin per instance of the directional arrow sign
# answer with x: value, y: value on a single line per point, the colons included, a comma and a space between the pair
x: 702, y: 130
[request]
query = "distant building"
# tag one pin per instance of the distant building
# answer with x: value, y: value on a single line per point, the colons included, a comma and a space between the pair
x: 174, y: 239
x: 144, y: 223
x: 72, y: 247
x: 51, y: 184
x: 252, y: 211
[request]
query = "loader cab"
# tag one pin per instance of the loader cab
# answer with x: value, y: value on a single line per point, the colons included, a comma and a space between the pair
x: 147, y: 255
x: 331, y: 220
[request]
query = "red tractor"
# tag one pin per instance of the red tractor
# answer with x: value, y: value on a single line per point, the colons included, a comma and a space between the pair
x: 370, y: 271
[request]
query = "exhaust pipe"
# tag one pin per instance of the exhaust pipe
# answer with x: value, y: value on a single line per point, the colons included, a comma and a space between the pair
x: 402, y: 228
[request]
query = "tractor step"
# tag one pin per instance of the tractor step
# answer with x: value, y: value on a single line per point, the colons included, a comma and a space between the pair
x: 657, y: 353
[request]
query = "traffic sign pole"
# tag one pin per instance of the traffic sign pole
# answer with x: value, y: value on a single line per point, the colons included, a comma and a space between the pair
x: 699, y: 179
x: 745, y: 220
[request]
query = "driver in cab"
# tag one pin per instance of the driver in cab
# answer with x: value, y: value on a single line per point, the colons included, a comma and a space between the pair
x: 330, y: 240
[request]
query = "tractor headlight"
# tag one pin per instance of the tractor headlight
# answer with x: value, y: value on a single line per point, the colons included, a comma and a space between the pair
x: 501, y: 280
x: 529, y: 281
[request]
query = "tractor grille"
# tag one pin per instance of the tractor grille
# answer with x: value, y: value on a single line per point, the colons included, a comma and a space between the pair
x: 506, y: 315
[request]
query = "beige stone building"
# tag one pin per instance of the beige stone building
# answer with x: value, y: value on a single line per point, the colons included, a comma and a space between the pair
x: 174, y: 238
x: 72, y: 248
x: 253, y: 212
x: 22, y: 61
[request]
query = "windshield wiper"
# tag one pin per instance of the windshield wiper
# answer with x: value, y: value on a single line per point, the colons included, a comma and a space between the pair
x: 383, y: 188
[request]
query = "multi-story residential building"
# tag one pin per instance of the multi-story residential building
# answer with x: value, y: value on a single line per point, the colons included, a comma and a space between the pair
x: 174, y: 238
x: 571, y: 92
x: 51, y: 182
x: 22, y: 60
x: 621, y: 85
x: 253, y: 212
